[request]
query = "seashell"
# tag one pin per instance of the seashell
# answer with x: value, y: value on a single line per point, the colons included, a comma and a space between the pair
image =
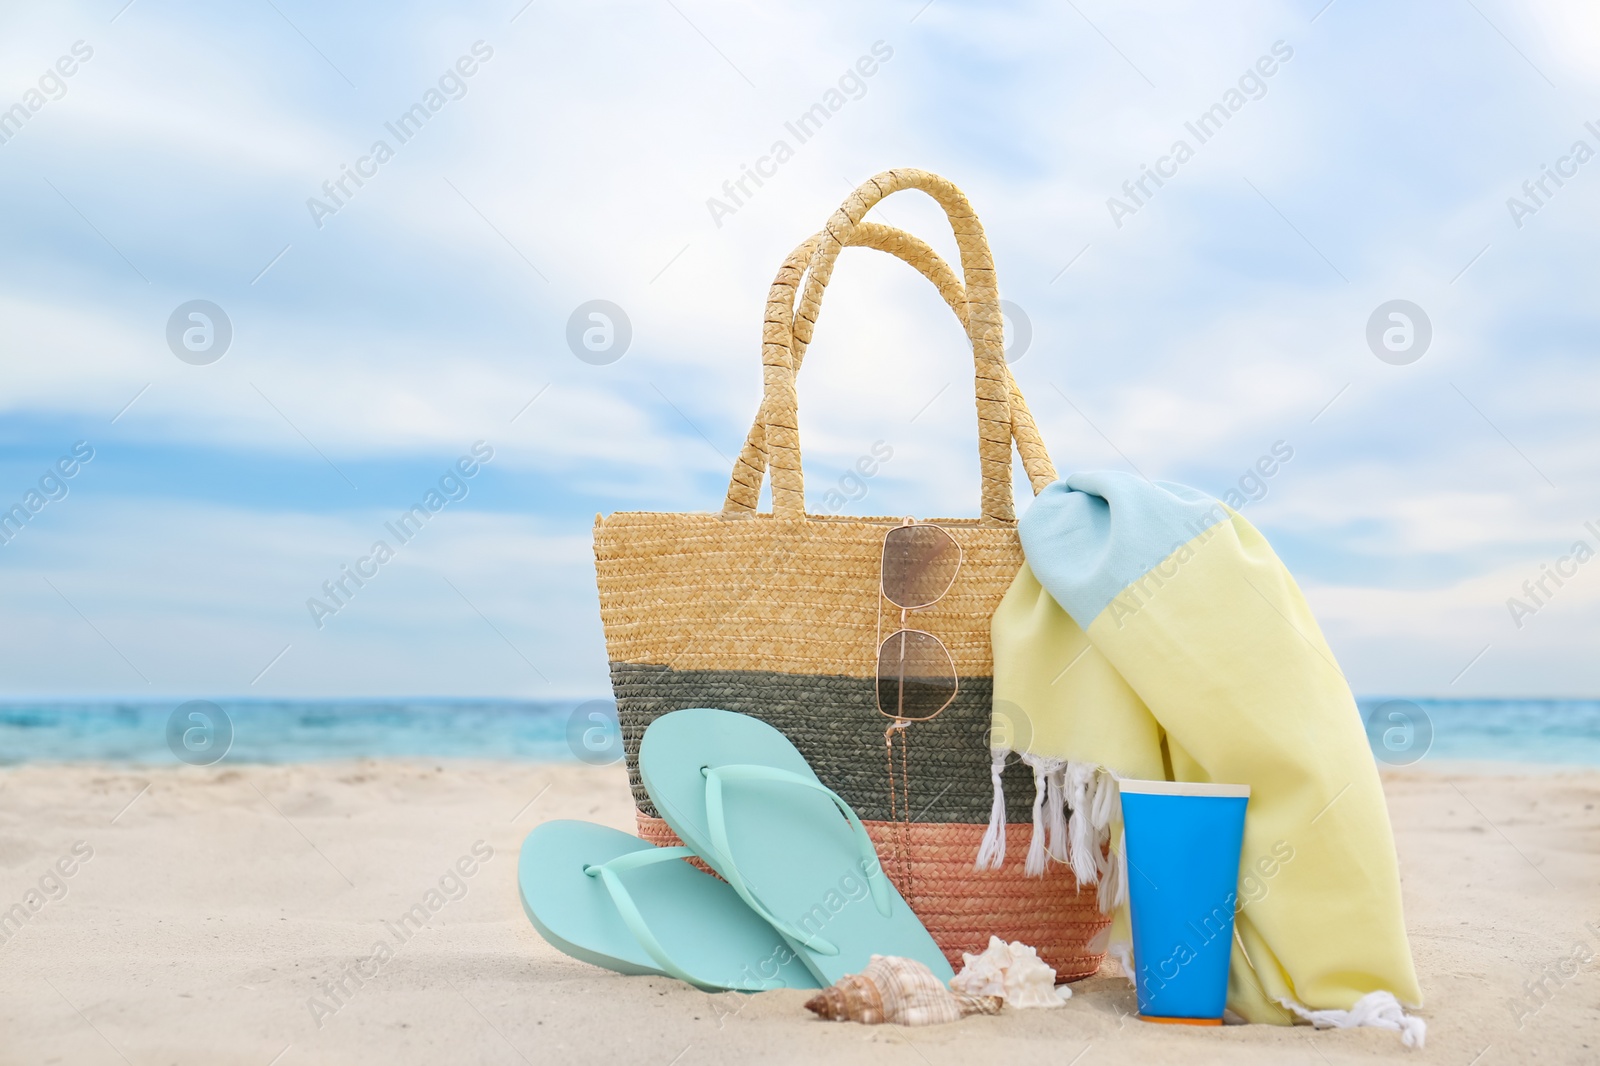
x: 898, y: 990
x: 983, y: 975
x: 1014, y: 972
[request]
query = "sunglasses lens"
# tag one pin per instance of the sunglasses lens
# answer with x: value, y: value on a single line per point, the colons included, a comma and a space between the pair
x: 919, y: 565
x: 916, y: 677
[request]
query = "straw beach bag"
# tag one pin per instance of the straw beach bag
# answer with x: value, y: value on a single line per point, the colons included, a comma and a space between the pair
x: 779, y: 616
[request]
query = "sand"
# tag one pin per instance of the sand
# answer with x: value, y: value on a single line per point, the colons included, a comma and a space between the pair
x: 214, y: 904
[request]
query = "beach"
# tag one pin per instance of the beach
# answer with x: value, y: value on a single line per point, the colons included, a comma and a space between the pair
x: 256, y: 914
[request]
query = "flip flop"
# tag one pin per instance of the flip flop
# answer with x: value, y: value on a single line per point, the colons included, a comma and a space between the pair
x: 736, y: 791
x: 614, y: 900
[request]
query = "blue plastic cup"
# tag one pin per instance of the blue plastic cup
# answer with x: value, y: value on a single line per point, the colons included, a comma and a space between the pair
x: 1184, y: 841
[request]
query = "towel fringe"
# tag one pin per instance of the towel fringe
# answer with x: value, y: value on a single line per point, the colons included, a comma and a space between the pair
x: 1113, y: 868
x: 1086, y: 838
x: 1043, y: 766
x: 1105, y: 805
x: 1377, y: 1010
x: 992, y: 851
x: 1122, y: 951
x: 1079, y: 840
x: 1057, y: 845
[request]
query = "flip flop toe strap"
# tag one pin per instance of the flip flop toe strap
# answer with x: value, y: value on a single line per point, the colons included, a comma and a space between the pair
x: 608, y: 873
x: 716, y: 819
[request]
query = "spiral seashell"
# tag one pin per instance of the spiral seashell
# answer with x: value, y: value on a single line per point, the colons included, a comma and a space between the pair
x: 897, y: 990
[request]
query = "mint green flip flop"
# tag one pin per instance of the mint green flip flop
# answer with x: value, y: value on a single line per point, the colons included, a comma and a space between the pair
x: 614, y: 900
x: 736, y: 791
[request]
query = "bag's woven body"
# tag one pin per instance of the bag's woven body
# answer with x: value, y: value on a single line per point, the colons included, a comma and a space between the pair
x: 777, y: 616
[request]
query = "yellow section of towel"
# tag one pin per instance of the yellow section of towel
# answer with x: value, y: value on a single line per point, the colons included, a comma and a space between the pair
x: 1212, y: 668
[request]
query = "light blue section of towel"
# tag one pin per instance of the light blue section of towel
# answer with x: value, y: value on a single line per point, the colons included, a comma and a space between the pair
x: 1091, y: 535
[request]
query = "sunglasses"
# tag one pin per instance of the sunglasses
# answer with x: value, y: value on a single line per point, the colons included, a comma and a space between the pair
x: 916, y: 676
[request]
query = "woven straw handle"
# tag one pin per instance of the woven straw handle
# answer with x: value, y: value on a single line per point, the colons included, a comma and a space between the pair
x: 993, y: 384
x: 744, y: 487
x: 1030, y: 445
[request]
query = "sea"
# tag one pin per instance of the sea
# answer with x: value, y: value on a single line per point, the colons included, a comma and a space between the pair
x: 1401, y: 731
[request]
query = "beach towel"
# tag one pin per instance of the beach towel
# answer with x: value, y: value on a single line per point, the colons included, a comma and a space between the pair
x: 1154, y: 634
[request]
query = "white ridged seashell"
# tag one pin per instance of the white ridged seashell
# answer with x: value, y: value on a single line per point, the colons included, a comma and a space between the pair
x: 898, y: 990
x: 1012, y: 971
x: 982, y: 975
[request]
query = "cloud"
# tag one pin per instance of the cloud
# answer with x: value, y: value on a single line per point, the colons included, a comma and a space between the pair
x: 1228, y: 313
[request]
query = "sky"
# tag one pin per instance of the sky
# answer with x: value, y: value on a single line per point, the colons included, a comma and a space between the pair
x: 561, y: 154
